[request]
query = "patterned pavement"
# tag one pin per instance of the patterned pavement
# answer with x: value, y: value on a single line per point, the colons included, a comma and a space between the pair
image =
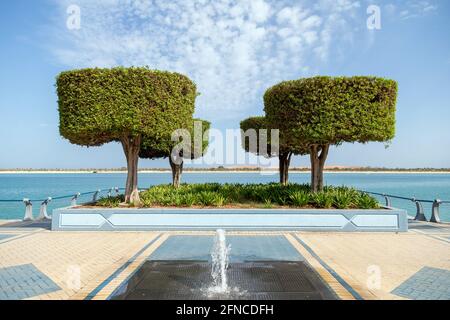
x: 24, y: 281
x: 36, y: 263
x: 426, y: 284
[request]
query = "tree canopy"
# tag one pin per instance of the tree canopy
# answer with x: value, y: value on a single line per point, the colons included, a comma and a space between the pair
x: 152, y: 148
x: 323, y: 111
x: 98, y: 106
x: 284, y: 150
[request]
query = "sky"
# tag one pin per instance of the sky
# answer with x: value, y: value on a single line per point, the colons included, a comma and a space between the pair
x: 233, y: 50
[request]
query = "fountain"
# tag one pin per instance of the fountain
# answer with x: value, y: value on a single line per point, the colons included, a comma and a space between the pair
x: 220, y: 259
x: 221, y: 279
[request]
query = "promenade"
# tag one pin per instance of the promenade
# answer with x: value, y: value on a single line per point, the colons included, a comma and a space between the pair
x: 36, y: 263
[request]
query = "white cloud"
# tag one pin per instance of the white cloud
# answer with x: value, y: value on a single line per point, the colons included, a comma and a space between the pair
x: 260, y: 11
x: 232, y: 49
x: 416, y: 9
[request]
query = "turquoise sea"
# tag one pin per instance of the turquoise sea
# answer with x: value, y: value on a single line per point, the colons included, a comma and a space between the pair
x: 41, y: 186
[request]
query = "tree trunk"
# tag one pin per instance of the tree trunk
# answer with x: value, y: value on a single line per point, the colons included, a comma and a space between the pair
x: 314, y: 165
x: 285, y: 161
x: 131, y: 146
x: 177, y: 170
x: 317, y: 165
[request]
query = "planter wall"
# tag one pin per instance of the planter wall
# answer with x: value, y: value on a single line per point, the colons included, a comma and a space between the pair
x: 103, y: 219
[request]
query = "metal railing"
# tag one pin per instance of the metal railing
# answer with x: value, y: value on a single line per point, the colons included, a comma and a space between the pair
x: 43, y: 214
x: 420, y: 215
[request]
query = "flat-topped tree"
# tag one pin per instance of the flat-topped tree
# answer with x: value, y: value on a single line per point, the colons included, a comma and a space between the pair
x: 153, y: 148
x: 324, y: 111
x: 97, y: 106
x: 285, y: 151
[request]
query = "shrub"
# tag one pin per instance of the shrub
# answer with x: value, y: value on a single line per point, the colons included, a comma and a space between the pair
x: 344, y: 199
x: 262, y: 195
x: 111, y: 201
x: 268, y: 204
x: 299, y: 198
x: 322, y: 200
x: 188, y: 200
x: 206, y: 198
x: 365, y: 201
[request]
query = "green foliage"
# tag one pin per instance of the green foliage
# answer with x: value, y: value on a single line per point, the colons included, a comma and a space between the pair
x: 154, y: 148
x: 344, y: 199
x: 260, y: 123
x: 110, y: 201
x: 322, y: 199
x: 332, y: 110
x: 252, y: 195
x: 300, y: 198
x: 268, y: 204
x: 188, y: 200
x: 205, y: 126
x: 97, y: 106
x: 209, y: 198
x: 251, y: 126
x: 365, y: 201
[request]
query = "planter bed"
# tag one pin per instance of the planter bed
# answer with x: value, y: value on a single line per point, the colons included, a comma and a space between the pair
x: 133, y: 219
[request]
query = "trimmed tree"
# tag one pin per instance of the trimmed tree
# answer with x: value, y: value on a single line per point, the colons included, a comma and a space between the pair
x: 285, y: 150
x: 323, y: 111
x: 97, y: 106
x: 152, y: 148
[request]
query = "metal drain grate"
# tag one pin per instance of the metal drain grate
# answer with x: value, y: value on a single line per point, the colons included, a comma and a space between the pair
x: 187, y: 280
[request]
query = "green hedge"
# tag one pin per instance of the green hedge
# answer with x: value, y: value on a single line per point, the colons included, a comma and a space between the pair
x: 97, y: 106
x: 332, y: 110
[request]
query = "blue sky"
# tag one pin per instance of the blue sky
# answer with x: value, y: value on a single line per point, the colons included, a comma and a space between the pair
x: 233, y: 50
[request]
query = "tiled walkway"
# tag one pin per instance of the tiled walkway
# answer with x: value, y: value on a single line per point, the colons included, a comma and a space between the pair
x: 36, y: 263
x: 426, y: 284
x: 24, y: 281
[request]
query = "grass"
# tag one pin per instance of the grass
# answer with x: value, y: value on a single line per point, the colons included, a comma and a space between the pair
x: 250, y: 195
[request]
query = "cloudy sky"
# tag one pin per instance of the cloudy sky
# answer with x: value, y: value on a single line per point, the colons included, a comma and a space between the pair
x: 234, y: 50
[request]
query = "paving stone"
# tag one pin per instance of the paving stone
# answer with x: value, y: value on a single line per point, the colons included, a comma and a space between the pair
x: 99, y: 255
x: 19, y: 282
x: 427, y: 284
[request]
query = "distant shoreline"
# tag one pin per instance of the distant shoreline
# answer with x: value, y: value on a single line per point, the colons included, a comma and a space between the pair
x: 229, y: 170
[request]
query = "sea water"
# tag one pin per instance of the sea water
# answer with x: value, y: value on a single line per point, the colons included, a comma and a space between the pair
x: 40, y: 186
